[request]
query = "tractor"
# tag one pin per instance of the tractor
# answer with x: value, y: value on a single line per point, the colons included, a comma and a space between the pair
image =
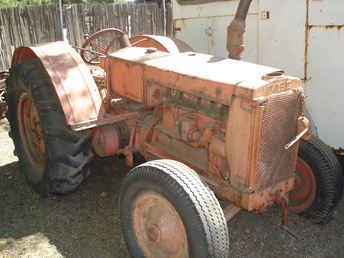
x: 218, y: 135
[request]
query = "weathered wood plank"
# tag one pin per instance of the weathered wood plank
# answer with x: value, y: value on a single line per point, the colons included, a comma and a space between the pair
x: 169, y: 20
x: 37, y: 24
x: 75, y: 24
x: 6, y: 48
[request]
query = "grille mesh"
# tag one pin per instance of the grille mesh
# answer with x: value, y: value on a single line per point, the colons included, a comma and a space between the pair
x: 275, y: 164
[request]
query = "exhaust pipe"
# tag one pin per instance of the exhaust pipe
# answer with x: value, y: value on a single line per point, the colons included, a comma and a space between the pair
x: 236, y: 31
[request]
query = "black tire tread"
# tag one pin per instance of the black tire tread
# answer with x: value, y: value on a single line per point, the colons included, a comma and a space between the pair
x: 68, y: 153
x: 329, y: 179
x: 207, y: 217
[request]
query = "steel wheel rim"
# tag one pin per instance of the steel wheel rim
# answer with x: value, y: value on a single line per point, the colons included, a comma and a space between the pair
x: 158, y: 227
x: 30, y: 130
x: 304, y: 193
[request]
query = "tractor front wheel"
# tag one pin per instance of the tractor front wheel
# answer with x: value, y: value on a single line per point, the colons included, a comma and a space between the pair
x: 54, y: 159
x: 318, y: 183
x: 167, y: 211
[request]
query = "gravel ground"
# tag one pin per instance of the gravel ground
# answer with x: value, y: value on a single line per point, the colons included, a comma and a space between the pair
x: 86, y: 224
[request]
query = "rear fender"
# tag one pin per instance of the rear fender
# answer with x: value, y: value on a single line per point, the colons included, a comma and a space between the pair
x: 162, y: 43
x: 73, y: 82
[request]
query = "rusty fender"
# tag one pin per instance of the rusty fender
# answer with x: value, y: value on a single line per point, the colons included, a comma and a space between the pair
x: 72, y: 80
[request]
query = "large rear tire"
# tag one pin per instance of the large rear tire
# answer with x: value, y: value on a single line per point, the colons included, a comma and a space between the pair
x: 54, y: 159
x: 167, y: 211
x: 319, y: 181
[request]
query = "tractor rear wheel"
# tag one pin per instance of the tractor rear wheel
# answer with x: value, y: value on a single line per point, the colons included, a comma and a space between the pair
x: 167, y: 211
x: 319, y: 181
x: 53, y: 158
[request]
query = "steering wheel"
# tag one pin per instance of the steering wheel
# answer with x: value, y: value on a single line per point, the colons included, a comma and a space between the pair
x: 98, y: 44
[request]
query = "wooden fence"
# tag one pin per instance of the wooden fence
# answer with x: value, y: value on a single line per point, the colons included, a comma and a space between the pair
x: 27, y: 25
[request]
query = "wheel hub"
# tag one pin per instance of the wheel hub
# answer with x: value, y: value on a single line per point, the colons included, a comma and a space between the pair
x: 158, y: 227
x: 154, y: 233
x: 31, y: 130
x: 304, y: 193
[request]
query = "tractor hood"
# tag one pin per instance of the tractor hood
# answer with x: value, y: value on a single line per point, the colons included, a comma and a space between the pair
x: 214, y: 78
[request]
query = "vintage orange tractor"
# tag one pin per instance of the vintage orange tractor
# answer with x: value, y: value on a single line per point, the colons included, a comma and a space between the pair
x: 207, y: 126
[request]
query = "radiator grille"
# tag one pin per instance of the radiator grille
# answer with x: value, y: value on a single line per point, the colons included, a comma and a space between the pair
x: 275, y: 164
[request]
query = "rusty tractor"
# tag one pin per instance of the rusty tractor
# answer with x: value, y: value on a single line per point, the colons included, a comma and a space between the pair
x: 209, y: 128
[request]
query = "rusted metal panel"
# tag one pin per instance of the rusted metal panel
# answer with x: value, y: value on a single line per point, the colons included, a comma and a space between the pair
x: 322, y: 12
x: 274, y: 40
x: 208, y: 35
x: 325, y: 89
x: 281, y: 38
x: 74, y: 85
x: 215, y: 78
x: 325, y: 39
x: 256, y: 155
x: 204, y: 27
x: 223, y: 8
x: 125, y: 78
x: 206, y: 74
x: 304, y: 37
x: 185, y: 30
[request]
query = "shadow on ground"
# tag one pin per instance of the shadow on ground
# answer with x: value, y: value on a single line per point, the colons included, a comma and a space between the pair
x: 83, y: 224
x: 86, y: 224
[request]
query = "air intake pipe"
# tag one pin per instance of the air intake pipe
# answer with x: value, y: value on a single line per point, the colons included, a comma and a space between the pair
x: 236, y: 31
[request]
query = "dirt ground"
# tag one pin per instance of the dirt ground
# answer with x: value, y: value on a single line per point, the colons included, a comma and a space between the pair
x: 86, y: 224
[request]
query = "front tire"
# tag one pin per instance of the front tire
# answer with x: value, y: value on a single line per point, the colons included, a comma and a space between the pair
x: 319, y: 181
x: 54, y: 159
x: 167, y: 211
